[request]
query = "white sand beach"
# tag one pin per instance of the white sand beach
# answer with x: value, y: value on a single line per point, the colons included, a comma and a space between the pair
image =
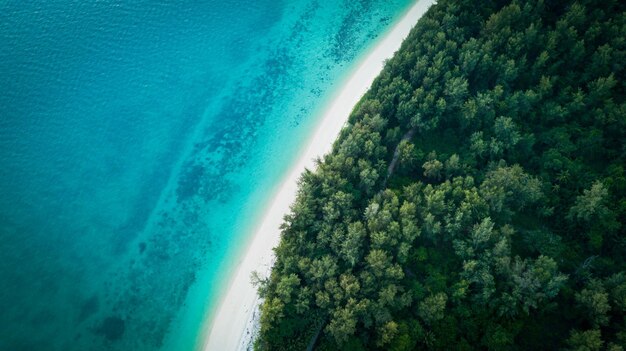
x: 233, y: 324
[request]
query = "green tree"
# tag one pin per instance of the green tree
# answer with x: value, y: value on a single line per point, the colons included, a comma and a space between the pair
x: 351, y: 246
x: 286, y: 286
x: 594, y: 301
x: 506, y: 131
x: 432, y: 308
x: 591, y: 205
x: 407, y: 155
x: 589, y: 340
x: 433, y: 169
x: 510, y: 188
x: 387, y: 333
x: 452, y: 166
x: 342, y: 324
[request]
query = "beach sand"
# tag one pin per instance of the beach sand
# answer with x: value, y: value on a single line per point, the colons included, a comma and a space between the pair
x: 234, y: 323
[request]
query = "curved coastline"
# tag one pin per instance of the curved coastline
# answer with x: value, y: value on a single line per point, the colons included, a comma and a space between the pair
x: 238, y: 307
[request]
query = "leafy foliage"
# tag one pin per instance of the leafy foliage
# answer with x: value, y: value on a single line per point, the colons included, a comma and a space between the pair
x: 500, y: 226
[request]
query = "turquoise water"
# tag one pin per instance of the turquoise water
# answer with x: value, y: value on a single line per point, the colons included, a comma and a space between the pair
x: 139, y: 142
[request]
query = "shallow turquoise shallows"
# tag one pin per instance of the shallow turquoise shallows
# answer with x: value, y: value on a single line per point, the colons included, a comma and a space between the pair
x: 139, y: 143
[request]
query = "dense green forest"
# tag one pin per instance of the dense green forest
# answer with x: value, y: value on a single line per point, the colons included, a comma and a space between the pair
x: 476, y: 200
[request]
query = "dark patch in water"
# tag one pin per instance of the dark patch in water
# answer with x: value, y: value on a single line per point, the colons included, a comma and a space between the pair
x: 189, y: 182
x: 88, y: 308
x: 112, y: 328
x: 142, y: 247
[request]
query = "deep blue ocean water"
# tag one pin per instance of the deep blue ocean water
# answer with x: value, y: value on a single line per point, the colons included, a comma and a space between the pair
x: 139, y: 142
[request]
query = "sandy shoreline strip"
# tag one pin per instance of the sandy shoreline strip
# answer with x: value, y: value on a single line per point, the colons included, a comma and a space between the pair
x: 233, y: 324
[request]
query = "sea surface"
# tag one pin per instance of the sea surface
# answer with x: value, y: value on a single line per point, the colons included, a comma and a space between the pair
x: 139, y: 143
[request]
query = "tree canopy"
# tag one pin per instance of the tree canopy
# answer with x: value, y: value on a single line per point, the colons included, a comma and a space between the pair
x: 476, y: 200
